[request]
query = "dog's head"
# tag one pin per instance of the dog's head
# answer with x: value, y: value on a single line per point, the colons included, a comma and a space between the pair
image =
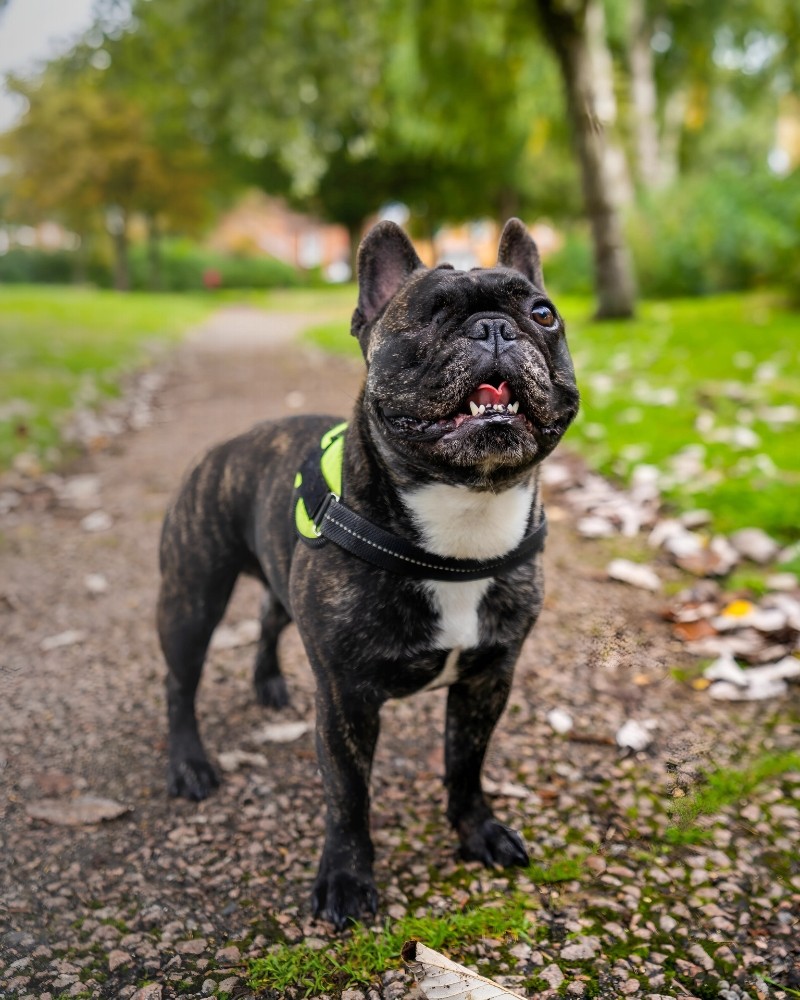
x: 469, y: 378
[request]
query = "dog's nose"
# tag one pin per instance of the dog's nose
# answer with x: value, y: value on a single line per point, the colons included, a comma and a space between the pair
x: 496, y: 332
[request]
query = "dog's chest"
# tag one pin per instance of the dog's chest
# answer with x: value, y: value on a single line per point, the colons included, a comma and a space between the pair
x: 465, y: 524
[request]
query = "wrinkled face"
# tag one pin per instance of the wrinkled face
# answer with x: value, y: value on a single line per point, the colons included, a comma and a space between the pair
x: 469, y: 375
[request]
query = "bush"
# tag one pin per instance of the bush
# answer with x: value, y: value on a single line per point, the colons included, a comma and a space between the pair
x: 720, y: 233
x: 186, y: 266
x: 705, y: 235
x: 570, y: 270
x: 20, y: 266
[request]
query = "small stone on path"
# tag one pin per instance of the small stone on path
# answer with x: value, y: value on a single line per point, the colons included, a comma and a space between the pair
x: 553, y: 976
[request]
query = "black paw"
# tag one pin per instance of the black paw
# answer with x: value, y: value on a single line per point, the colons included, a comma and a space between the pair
x: 272, y: 692
x: 193, y: 779
x: 343, y: 897
x: 497, y: 846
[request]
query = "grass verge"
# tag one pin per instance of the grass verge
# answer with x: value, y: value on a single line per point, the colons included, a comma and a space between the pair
x: 67, y: 347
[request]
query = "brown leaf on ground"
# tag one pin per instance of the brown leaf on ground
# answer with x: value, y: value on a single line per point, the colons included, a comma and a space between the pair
x: 83, y: 811
x: 692, y: 631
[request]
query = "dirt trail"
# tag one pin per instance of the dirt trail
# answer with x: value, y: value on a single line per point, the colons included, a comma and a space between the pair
x: 181, y: 895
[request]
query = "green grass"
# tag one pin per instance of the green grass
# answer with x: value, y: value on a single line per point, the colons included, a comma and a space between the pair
x: 364, y: 954
x: 334, y: 300
x: 62, y: 347
x: 725, y: 360
x: 722, y: 788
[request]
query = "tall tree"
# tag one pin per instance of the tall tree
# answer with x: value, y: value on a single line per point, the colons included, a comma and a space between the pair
x: 576, y: 33
x: 83, y: 153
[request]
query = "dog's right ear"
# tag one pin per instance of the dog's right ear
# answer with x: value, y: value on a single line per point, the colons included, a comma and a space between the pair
x: 386, y: 259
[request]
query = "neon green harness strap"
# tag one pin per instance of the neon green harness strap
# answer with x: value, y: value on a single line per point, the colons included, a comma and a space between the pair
x: 320, y: 474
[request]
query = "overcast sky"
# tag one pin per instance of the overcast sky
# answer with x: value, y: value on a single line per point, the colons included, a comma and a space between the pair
x: 35, y: 30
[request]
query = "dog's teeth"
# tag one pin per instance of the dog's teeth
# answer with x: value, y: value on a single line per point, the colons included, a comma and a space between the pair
x: 481, y: 409
x: 474, y: 408
x: 513, y: 407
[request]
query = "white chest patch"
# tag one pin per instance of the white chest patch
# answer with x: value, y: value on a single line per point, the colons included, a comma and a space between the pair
x: 462, y: 523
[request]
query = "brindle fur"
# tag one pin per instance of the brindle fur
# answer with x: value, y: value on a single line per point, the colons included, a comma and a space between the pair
x: 370, y: 635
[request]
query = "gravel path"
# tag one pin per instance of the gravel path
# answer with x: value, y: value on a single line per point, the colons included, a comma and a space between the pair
x: 171, y: 898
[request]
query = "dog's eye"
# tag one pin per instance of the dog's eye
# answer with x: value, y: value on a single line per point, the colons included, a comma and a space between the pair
x: 544, y: 315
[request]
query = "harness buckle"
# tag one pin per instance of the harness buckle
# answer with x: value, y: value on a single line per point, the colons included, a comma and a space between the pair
x: 319, y: 514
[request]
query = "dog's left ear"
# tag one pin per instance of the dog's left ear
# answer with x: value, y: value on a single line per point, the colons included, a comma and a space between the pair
x: 386, y: 259
x: 518, y: 251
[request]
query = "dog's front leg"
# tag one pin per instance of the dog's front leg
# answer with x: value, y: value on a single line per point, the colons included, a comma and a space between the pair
x: 347, y: 730
x: 473, y: 708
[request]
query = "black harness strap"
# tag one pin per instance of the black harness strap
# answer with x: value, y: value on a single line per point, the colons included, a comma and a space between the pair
x: 362, y: 538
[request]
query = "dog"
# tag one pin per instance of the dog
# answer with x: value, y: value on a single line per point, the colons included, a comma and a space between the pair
x: 405, y: 546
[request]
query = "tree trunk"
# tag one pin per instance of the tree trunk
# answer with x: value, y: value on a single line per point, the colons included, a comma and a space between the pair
x: 507, y: 204
x: 644, y: 98
x: 153, y: 254
x: 80, y: 271
x: 354, y: 230
x: 567, y: 30
x: 602, y: 78
x: 674, y: 115
x: 117, y: 225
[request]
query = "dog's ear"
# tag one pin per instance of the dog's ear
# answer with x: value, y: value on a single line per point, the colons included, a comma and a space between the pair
x: 518, y: 251
x: 386, y: 259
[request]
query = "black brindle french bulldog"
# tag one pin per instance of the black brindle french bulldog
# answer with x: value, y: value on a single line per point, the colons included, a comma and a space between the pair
x: 424, y: 572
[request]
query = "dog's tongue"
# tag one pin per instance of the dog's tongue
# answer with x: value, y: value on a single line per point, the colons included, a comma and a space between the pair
x: 487, y: 395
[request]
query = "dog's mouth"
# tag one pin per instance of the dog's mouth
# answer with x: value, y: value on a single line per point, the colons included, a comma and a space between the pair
x: 486, y: 406
x: 487, y: 401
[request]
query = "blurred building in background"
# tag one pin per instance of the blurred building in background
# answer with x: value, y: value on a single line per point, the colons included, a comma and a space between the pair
x: 258, y: 224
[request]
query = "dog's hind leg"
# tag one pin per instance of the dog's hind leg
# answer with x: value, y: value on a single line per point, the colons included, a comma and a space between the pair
x: 187, y: 617
x: 269, y: 683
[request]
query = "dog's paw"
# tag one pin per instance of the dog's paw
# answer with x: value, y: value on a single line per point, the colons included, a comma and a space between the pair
x: 497, y: 846
x: 272, y: 692
x: 193, y: 779
x: 343, y: 897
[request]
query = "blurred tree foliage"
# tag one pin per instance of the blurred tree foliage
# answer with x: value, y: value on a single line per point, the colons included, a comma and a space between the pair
x: 342, y: 107
x: 92, y: 156
x: 458, y: 110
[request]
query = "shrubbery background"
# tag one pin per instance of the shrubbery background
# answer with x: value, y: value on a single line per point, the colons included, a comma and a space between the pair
x: 712, y: 234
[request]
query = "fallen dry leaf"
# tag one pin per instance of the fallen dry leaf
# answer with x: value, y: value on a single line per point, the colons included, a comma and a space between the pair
x: 738, y: 609
x: 440, y: 978
x: 244, y: 633
x: 634, y: 574
x: 82, y: 811
x: 71, y: 637
x: 233, y: 760
x: 281, y: 732
x: 725, y: 668
x: 692, y: 631
x: 635, y: 736
x: 560, y: 720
